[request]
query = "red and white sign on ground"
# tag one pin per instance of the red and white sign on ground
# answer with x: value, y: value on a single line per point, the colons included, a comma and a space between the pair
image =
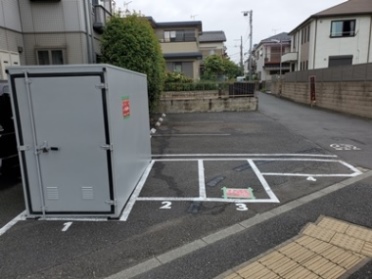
x: 237, y: 193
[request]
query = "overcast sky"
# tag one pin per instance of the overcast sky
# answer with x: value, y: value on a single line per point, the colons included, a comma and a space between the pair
x: 270, y: 17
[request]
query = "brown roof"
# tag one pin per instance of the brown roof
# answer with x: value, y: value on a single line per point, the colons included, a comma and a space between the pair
x: 350, y: 7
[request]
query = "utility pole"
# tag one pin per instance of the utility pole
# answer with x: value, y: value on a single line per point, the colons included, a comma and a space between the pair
x: 241, y: 54
x: 250, y: 13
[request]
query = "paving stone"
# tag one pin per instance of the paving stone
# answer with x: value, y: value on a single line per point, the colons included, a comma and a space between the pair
x: 367, y: 249
x: 296, y: 252
x: 233, y: 276
x: 347, y: 242
x: 301, y: 272
x: 342, y: 258
x: 319, y: 232
x: 319, y: 265
x: 360, y: 233
x: 271, y: 258
x: 334, y: 272
x: 317, y: 246
x: 333, y: 224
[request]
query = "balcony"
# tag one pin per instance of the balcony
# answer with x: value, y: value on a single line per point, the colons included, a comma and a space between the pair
x: 101, y: 17
x: 290, y: 57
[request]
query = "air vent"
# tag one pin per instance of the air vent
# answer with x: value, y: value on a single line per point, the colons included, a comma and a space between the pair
x: 87, y: 193
x: 45, y: 1
x: 52, y: 193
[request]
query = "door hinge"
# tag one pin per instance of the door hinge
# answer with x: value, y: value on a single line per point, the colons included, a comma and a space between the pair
x: 111, y: 202
x: 107, y: 147
x: 102, y: 86
x: 24, y: 148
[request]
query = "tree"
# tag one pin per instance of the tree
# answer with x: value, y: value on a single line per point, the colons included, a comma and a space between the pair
x: 131, y: 43
x: 218, y: 68
x: 232, y: 70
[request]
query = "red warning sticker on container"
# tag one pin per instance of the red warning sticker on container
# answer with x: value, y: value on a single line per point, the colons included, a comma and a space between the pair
x: 125, y: 106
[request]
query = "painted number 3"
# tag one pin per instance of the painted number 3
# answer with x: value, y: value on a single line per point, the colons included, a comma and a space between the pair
x: 166, y: 205
x: 241, y: 207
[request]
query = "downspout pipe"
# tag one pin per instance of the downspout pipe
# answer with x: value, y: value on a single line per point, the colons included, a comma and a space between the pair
x: 369, y: 41
x: 89, y: 48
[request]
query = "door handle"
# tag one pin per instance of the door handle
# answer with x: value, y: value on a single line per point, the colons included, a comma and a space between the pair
x: 54, y: 148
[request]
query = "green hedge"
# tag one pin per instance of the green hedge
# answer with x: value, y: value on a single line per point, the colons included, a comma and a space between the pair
x: 197, y: 86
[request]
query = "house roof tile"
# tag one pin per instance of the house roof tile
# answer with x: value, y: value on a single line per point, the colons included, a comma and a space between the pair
x: 212, y: 36
x: 350, y: 7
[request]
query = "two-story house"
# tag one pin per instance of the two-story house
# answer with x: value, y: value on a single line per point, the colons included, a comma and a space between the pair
x: 180, y: 46
x: 267, y: 56
x: 340, y: 35
x: 43, y: 32
x: 184, y: 45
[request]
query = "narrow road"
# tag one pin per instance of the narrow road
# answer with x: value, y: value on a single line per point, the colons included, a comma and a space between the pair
x: 323, y: 127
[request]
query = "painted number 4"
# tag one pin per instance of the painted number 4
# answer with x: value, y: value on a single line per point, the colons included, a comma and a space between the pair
x: 241, y: 207
x: 166, y: 205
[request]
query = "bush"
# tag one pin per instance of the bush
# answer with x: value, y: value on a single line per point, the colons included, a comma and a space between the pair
x: 132, y: 44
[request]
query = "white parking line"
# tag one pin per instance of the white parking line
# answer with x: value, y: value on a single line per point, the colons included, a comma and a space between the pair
x: 10, y: 224
x: 247, y: 155
x: 137, y: 191
x: 165, y: 199
x: 202, y: 192
x: 263, y: 181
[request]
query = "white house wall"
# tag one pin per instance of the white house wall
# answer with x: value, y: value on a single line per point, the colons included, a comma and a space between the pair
x: 63, y: 16
x: 356, y: 46
x: 11, y: 39
x: 55, y: 25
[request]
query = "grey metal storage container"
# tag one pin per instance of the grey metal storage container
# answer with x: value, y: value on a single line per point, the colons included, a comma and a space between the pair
x: 83, y: 137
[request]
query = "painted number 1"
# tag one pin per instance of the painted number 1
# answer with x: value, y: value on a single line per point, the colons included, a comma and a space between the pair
x: 166, y: 205
x: 66, y: 226
x: 241, y: 207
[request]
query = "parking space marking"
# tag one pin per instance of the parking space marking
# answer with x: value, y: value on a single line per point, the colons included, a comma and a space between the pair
x: 206, y: 200
x: 248, y: 155
x: 138, y: 189
x: 235, y: 157
x: 356, y: 172
x: 202, y: 191
x: 263, y: 181
x: 11, y: 223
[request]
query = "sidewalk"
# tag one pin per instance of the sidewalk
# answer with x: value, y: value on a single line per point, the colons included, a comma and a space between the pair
x: 328, y: 249
x: 292, y: 241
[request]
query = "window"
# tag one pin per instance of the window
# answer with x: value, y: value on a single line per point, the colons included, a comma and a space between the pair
x: 342, y: 28
x: 177, y: 67
x: 305, y: 34
x: 50, y: 57
x: 341, y: 60
x: 179, y: 36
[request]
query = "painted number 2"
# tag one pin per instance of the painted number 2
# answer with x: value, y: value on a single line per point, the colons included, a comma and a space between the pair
x: 241, y: 207
x: 166, y: 205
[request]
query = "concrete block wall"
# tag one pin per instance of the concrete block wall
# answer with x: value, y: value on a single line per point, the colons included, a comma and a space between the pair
x: 208, y: 105
x: 353, y: 97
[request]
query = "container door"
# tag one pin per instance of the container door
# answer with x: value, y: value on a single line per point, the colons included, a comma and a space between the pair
x: 72, y: 138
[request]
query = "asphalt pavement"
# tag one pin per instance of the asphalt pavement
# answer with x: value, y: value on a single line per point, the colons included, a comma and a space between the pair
x: 182, y: 228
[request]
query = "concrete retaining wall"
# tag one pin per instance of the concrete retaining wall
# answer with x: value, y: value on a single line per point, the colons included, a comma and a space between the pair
x: 353, y: 97
x: 208, y: 105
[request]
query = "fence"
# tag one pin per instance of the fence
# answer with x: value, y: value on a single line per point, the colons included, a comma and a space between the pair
x: 345, y: 89
x: 242, y: 89
x: 361, y: 72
